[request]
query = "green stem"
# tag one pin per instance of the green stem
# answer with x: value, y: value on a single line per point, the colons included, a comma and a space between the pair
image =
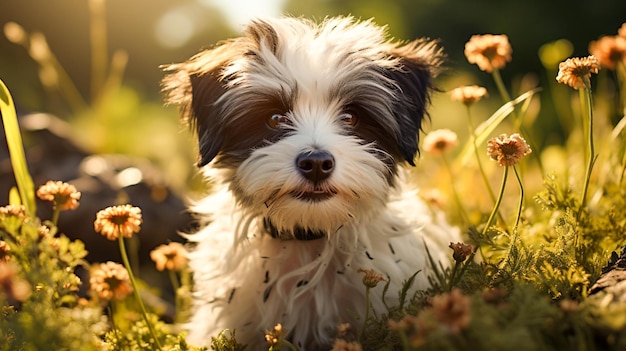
x: 497, y: 78
x: 498, y: 201
x: 586, y: 105
x: 521, y: 199
x: 453, y: 275
x: 144, y: 314
x: 56, y: 211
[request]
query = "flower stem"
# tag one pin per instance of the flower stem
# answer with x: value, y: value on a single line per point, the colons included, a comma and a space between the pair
x: 521, y: 199
x: 453, y: 275
x: 585, y: 101
x: 55, y: 215
x: 144, y: 314
x: 498, y: 201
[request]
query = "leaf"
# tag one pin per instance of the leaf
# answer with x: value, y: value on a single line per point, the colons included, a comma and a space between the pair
x: 484, y: 130
x: 16, y: 150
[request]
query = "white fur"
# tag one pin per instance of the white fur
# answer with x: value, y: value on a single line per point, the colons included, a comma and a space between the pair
x: 247, y: 280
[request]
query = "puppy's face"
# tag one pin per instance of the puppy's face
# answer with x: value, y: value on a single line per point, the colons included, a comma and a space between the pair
x: 307, y: 122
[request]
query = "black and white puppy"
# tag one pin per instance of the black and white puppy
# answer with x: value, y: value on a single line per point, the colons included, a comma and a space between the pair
x: 304, y: 127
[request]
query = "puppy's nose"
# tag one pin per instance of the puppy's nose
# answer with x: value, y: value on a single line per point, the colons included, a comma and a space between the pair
x: 315, y: 166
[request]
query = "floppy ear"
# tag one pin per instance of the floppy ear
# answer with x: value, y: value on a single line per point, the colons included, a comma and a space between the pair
x: 420, y: 62
x: 196, y: 85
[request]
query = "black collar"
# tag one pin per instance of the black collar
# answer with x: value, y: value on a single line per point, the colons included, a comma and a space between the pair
x: 298, y: 233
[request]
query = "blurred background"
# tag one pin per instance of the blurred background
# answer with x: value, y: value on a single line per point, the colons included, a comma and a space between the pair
x: 85, y: 79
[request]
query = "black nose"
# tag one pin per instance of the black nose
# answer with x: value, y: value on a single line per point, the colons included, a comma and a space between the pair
x: 315, y: 166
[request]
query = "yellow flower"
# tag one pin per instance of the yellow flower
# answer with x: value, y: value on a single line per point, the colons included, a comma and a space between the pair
x: 507, y: 150
x: 488, y: 51
x: 171, y: 257
x: 468, y: 94
x: 577, y: 71
x: 609, y: 50
x: 63, y: 195
x: 116, y: 221
x: 110, y: 280
x: 439, y: 141
x: 273, y: 337
x: 371, y: 277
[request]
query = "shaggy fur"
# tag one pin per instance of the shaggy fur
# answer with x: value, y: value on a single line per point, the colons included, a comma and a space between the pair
x: 304, y: 128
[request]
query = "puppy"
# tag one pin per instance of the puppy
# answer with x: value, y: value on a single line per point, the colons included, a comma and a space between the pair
x: 304, y: 128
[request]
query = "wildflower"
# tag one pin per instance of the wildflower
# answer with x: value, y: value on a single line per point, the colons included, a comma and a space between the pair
x: 609, y: 50
x: 488, y: 51
x: 12, y: 286
x: 569, y: 306
x: 507, y: 150
x: 417, y: 328
x: 461, y: 251
x: 468, y: 94
x: 343, y: 345
x: 344, y: 328
x: 273, y: 337
x: 440, y: 141
x: 110, y: 280
x: 13, y: 210
x: 452, y: 310
x: 371, y: 277
x: 63, y: 195
x: 622, y: 31
x: 117, y: 221
x: 171, y: 257
x: 577, y: 71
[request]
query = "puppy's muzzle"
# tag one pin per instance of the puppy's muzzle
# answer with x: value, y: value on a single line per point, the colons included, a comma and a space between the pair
x: 315, y: 166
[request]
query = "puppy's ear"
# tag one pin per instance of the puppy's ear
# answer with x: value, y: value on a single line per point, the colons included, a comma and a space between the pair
x: 420, y: 62
x: 196, y: 85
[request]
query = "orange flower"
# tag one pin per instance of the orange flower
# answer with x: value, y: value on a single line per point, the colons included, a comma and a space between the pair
x: 488, y: 51
x: 622, y: 31
x: 13, y: 210
x: 468, y: 94
x: 440, y: 141
x: 577, y: 71
x: 343, y: 345
x: 371, y: 277
x: 63, y: 195
x: 507, y: 150
x: 273, y: 337
x: 609, y: 50
x: 171, y: 256
x: 116, y: 221
x: 452, y: 310
x: 110, y: 280
x: 4, y: 251
x: 13, y: 287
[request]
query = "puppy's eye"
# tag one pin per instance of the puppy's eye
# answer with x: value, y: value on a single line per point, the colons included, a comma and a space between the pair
x: 276, y: 120
x: 348, y: 118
